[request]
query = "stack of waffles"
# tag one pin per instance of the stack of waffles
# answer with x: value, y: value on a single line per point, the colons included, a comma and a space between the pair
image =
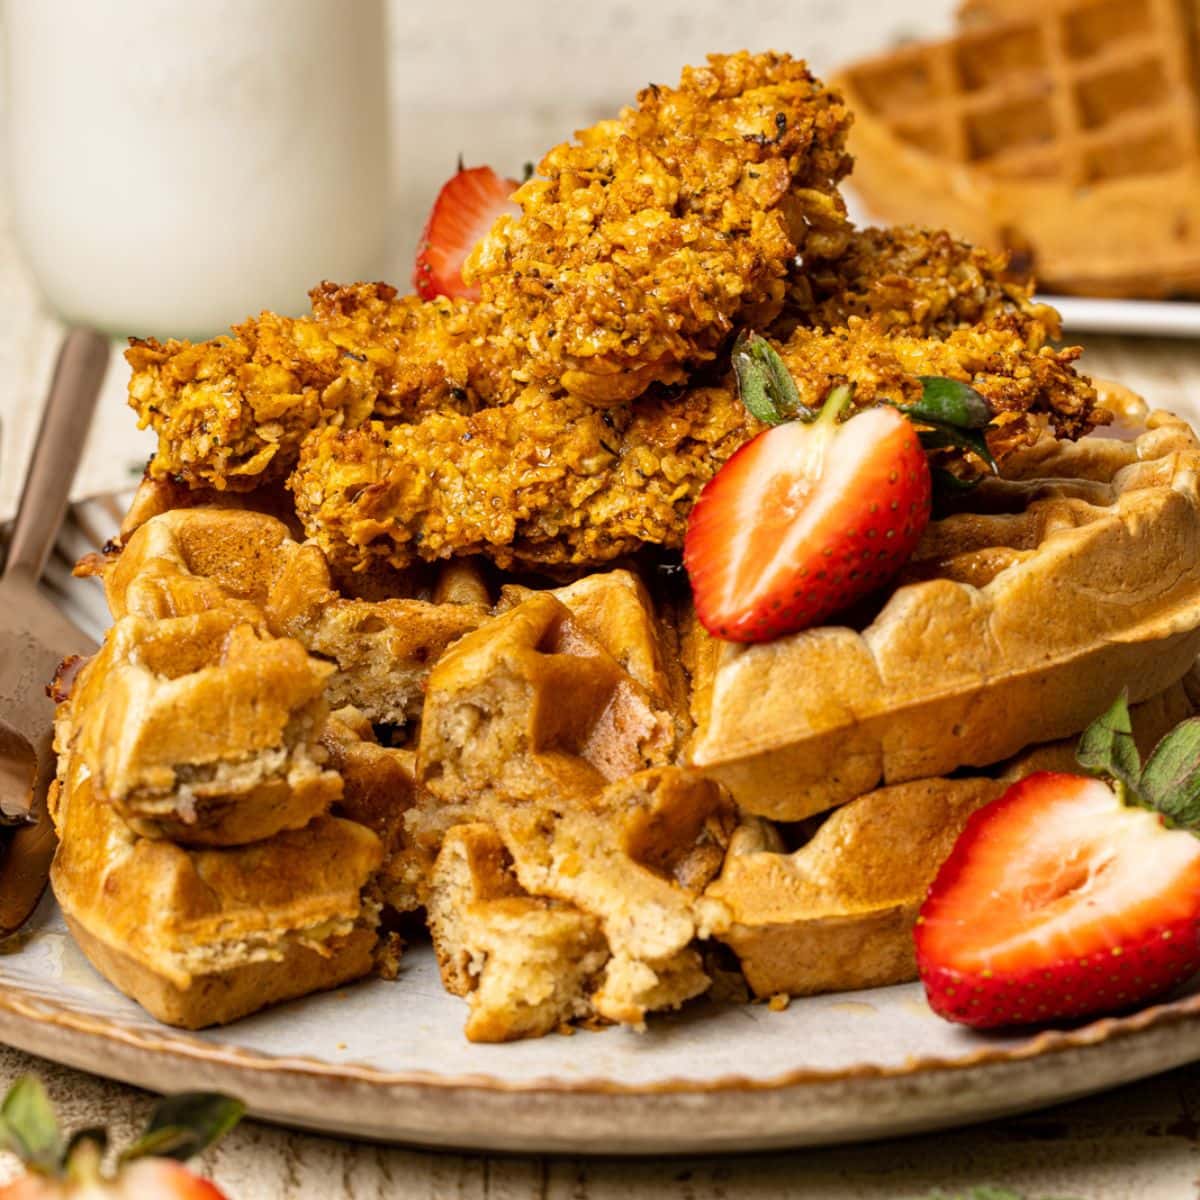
x: 1066, y: 131
x: 589, y: 799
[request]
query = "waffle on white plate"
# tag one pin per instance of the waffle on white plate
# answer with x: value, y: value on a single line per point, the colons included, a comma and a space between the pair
x: 277, y: 757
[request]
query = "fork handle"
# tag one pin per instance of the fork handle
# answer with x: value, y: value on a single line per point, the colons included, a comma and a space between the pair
x: 78, y: 374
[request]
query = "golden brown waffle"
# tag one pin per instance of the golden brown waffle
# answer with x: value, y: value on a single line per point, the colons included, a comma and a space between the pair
x: 837, y: 913
x: 1068, y: 132
x: 1017, y: 620
x: 202, y: 937
x: 525, y: 964
x: 191, y: 560
x: 533, y: 727
x: 204, y: 729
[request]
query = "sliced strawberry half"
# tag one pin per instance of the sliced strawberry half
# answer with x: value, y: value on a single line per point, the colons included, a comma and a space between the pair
x: 805, y: 519
x: 464, y: 211
x: 1059, y: 901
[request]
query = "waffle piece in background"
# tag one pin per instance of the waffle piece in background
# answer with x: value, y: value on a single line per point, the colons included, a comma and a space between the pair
x: 1016, y: 620
x: 1067, y: 132
x: 533, y: 727
x: 203, y: 936
x: 837, y: 914
x: 203, y: 728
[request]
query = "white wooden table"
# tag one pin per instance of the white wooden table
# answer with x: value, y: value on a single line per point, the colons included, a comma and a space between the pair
x: 1141, y: 1142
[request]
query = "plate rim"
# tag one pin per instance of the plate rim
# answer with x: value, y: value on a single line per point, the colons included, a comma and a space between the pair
x: 26, y: 1006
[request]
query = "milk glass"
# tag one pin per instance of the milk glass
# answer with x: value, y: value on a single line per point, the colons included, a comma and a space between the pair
x: 175, y: 165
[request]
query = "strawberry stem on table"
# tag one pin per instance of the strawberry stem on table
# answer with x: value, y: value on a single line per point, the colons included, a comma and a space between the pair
x: 179, y: 1127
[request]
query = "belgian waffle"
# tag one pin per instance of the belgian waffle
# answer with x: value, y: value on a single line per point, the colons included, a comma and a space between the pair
x: 996, y: 637
x: 837, y: 913
x: 1067, y: 132
x: 535, y: 728
x: 204, y: 936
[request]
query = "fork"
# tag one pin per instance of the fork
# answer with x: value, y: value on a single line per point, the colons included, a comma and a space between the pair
x: 34, y: 636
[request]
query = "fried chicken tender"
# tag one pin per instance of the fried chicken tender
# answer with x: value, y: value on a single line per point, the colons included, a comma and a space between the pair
x: 647, y: 241
x: 231, y: 413
x: 544, y: 483
x: 644, y: 242
x: 919, y: 282
x: 550, y: 484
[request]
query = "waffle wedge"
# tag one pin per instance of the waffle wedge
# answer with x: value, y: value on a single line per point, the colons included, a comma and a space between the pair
x: 533, y: 729
x: 1015, y: 622
x: 204, y: 729
x: 190, y: 560
x: 203, y: 936
x: 1067, y: 132
x: 837, y: 913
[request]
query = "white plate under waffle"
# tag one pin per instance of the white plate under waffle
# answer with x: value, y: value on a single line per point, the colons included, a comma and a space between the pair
x: 389, y: 1061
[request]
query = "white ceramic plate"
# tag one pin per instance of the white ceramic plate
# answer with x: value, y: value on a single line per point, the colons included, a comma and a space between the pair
x: 389, y: 1060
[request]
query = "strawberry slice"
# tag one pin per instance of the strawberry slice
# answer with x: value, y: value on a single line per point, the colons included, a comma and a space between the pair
x: 805, y: 519
x: 1059, y: 901
x: 464, y: 211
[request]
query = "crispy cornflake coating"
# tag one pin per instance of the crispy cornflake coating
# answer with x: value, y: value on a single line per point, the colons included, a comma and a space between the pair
x: 231, y: 412
x: 644, y: 242
x: 994, y: 360
x: 544, y: 482
x: 548, y: 483
x: 920, y: 282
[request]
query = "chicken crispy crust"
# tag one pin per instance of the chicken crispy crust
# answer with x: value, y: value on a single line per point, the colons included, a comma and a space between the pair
x: 550, y: 483
x: 231, y: 413
x: 544, y: 482
x: 921, y: 282
x: 647, y: 241
x: 644, y: 242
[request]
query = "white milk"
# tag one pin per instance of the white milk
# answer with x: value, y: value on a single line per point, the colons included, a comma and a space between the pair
x: 176, y: 165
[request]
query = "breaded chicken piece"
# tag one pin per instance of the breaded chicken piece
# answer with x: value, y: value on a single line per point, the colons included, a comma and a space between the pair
x: 231, y: 413
x: 647, y: 241
x: 552, y: 484
x: 919, y: 282
x: 644, y: 242
x: 545, y: 483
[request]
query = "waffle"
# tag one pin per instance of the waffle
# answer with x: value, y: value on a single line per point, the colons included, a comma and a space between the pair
x: 204, y: 936
x: 190, y: 560
x: 837, y: 913
x: 1017, y: 621
x: 534, y: 728
x: 1067, y: 132
x: 203, y: 729
x: 526, y: 964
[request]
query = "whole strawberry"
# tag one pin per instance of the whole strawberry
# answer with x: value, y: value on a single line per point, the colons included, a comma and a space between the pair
x: 1071, y: 895
x: 151, y: 1169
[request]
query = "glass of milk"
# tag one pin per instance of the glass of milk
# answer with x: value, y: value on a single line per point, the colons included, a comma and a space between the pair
x: 177, y: 165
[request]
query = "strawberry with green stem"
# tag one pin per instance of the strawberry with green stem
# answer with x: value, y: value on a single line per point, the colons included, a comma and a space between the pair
x: 820, y: 509
x: 1072, y: 894
x: 57, y: 1168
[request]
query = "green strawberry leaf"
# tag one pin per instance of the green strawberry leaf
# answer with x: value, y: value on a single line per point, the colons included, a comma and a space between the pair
x: 183, y: 1125
x: 950, y: 402
x: 1170, y: 783
x: 29, y: 1128
x: 765, y: 385
x: 941, y: 436
x: 1107, y: 747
